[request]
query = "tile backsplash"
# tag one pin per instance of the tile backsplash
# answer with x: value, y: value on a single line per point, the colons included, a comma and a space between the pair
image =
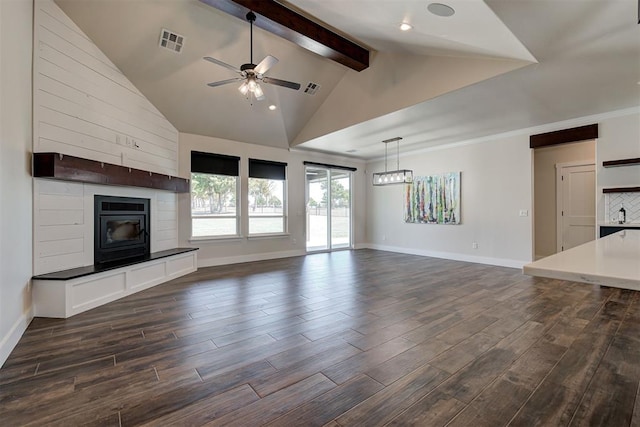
x: 630, y: 202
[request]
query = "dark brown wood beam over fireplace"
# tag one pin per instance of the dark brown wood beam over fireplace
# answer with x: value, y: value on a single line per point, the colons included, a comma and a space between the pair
x: 290, y: 25
x: 70, y: 168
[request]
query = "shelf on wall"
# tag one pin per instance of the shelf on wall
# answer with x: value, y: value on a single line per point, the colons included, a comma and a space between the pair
x: 621, y: 162
x: 621, y: 190
x: 70, y: 168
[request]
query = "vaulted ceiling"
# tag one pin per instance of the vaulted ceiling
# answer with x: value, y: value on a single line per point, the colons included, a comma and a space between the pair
x: 492, y: 67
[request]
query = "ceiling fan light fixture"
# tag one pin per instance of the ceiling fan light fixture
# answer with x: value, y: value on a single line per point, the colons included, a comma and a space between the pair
x: 251, y: 87
x: 250, y: 73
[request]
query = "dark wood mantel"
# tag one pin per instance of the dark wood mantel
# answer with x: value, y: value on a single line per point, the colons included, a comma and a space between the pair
x: 70, y: 168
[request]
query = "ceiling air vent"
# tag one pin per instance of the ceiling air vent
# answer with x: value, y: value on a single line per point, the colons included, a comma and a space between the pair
x: 171, y: 40
x: 312, y: 88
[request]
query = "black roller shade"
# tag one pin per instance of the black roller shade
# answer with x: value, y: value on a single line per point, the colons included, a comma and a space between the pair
x: 267, y: 169
x: 217, y: 164
x: 328, y: 166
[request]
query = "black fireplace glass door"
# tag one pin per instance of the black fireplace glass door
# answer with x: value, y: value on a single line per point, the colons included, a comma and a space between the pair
x: 121, y: 230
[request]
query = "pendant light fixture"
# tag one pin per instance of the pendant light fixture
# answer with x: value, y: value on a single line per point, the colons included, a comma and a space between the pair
x: 398, y: 176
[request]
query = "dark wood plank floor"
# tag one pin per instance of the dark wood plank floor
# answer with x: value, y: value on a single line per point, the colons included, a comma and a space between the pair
x: 349, y: 338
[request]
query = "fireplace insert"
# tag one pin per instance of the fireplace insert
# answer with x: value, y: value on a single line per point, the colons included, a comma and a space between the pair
x: 122, y: 229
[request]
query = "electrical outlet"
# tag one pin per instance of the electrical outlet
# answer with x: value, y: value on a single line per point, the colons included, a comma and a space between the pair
x: 293, y: 240
x: 474, y: 245
x: 384, y: 238
x: 524, y: 212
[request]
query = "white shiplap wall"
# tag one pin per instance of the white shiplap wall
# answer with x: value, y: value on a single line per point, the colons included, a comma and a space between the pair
x: 84, y: 106
x: 60, y: 230
x: 63, y: 221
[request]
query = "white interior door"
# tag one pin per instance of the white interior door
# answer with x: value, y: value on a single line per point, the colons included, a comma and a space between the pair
x: 576, y: 197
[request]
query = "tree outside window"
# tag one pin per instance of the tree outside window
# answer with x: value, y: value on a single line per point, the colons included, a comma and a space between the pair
x: 266, y: 206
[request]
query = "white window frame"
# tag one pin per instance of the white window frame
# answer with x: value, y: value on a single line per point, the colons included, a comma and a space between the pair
x: 284, y: 216
x: 238, y: 213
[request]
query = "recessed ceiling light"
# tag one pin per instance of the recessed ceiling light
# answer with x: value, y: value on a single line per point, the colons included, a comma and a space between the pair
x: 440, y: 9
x: 405, y: 26
x: 272, y: 107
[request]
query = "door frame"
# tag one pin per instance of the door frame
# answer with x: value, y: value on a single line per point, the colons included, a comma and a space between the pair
x: 560, y: 196
x: 330, y: 247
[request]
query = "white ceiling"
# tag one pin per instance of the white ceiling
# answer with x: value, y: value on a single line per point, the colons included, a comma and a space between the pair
x: 587, y: 52
x: 473, y: 30
x: 589, y: 63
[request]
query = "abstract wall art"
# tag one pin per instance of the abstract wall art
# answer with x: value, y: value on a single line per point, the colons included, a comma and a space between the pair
x: 433, y: 199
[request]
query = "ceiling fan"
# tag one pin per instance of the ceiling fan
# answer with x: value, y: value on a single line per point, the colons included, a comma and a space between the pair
x: 251, y: 74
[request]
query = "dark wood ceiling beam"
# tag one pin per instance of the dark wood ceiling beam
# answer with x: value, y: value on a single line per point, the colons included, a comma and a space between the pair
x: 292, y: 26
x: 564, y: 136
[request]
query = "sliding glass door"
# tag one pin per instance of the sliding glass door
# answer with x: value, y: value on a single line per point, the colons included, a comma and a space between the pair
x: 328, y: 216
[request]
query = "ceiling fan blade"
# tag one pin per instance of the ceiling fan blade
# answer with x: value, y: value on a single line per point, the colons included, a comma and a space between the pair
x: 222, y: 64
x: 283, y: 83
x: 224, y: 82
x: 264, y: 65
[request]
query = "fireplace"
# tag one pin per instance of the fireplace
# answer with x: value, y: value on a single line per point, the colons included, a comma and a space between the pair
x: 122, y: 229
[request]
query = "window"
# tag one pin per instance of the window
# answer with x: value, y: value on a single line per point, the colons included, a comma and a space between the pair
x: 267, y: 197
x: 214, y: 195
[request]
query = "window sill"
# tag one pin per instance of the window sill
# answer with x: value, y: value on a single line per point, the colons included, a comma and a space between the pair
x: 214, y: 239
x: 268, y: 236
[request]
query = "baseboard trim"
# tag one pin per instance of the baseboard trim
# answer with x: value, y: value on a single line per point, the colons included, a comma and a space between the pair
x: 214, y: 262
x: 10, y: 340
x: 501, y: 262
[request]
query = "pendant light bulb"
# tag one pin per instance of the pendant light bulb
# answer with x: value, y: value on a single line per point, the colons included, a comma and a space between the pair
x: 257, y: 91
x: 244, y: 88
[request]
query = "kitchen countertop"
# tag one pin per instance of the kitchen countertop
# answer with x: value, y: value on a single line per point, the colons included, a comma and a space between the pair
x: 613, y: 261
x: 615, y: 224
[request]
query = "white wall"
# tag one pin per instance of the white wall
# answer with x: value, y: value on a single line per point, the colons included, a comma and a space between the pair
x: 84, y: 106
x: 495, y: 186
x: 545, y: 160
x: 618, y: 138
x: 15, y: 172
x: 225, y: 251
